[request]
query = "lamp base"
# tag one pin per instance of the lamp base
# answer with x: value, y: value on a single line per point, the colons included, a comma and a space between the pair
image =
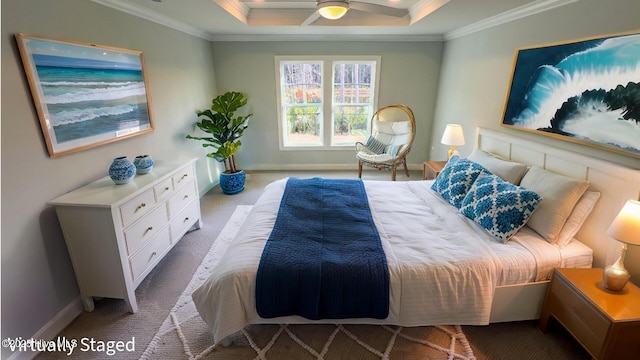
x: 616, y: 276
x: 451, y: 152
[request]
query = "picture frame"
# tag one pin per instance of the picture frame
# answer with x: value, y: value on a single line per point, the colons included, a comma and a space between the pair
x: 585, y: 92
x: 85, y: 95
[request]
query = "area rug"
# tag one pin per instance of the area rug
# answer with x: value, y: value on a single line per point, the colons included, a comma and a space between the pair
x: 184, y: 335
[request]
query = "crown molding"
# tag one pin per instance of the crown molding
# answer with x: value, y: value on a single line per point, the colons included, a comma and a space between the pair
x: 237, y: 9
x: 322, y: 37
x: 424, y: 8
x: 507, y: 16
x: 157, y: 18
x: 241, y: 11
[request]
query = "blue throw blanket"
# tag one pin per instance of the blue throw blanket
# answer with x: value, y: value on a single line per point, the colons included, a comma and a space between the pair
x: 324, y: 258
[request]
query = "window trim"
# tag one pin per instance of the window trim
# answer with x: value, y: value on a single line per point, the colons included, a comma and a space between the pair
x: 327, y: 62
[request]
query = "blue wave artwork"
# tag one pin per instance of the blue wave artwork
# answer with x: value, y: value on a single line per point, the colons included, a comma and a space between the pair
x: 588, y: 90
x: 90, y: 92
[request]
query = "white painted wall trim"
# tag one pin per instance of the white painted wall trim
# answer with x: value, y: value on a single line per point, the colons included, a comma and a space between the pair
x: 323, y: 167
x: 155, y: 17
x: 507, y: 16
x: 52, y: 328
x: 511, y: 15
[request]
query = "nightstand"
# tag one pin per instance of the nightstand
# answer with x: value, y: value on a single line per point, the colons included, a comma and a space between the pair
x: 605, y: 323
x: 431, y: 169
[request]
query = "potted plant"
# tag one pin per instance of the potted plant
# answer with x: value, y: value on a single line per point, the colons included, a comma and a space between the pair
x: 225, y: 128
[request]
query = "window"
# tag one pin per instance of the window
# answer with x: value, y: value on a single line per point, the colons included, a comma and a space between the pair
x: 325, y: 102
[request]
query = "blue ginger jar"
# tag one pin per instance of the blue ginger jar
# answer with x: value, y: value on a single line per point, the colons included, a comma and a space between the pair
x: 122, y: 170
x: 143, y: 163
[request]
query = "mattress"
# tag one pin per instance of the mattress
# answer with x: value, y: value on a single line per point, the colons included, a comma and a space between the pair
x: 444, y: 268
x: 527, y: 256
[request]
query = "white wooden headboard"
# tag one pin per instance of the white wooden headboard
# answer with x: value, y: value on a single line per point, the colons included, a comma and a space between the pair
x: 616, y: 183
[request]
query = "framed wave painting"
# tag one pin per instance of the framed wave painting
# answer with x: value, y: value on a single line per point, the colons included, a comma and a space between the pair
x: 586, y: 92
x: 85, y: 95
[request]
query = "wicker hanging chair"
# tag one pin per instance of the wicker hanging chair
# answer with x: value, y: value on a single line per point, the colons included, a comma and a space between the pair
x: 393, y: 129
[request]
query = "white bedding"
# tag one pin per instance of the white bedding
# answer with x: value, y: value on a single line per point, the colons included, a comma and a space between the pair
x: 443, y: 267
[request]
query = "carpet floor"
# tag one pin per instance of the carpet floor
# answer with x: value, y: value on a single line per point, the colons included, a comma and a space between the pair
x: 163, y: 288
x: 184, y: 335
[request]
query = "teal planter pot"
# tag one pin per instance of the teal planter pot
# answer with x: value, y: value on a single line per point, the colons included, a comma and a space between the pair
x: 232, y: 183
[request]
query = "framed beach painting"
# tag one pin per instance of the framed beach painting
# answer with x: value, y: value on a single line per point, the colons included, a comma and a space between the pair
x: 586, y: 92
x: 85, y: 95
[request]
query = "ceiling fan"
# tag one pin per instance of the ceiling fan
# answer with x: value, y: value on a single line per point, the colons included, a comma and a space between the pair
x: 335, y: 9
x: 326, y: 9
x: 318, y: 12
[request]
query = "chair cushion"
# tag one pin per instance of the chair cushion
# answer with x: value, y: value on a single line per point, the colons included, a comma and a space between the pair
x: 392, y: 127
x: 392, y: 133
x: 374, y: 145
x: 374, y: 158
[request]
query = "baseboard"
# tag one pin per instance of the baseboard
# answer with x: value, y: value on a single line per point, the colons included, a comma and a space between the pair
x: 52, y: 328
x: 320, y: 167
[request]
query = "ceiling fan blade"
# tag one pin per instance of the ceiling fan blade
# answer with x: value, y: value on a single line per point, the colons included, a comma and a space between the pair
x: 311, y: 19
x: 378, y: 9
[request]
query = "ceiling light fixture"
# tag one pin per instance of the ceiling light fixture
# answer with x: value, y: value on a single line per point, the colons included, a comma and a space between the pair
x: 332, y: 9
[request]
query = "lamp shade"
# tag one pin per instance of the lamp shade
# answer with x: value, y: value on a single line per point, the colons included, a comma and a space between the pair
x: 453, y: 135
x: 626, y: 226
x: 333, y: 9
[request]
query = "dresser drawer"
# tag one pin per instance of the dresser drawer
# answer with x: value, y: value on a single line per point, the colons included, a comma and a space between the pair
x: 136, y: 208
x: 181, y: 198
x: 185, y: 219
x: 576, y: 314
x: 150, y: 253
x: 182, y: 177
x: 163, y: 190
x: 146, y: 228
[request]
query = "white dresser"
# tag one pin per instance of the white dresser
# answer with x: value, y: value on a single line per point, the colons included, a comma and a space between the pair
x: 116, y: 234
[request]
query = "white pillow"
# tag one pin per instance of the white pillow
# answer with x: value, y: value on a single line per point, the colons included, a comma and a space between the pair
x: 392, y: 127
x: 559, y: 196
x: 401, y: 127
x: 578, y: 216
x: 510, y: 171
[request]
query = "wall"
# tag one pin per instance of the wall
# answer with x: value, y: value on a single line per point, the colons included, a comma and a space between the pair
x: 476, y: 71
x: 409, y: 75
x: 38, y: 282
x: 469, y: 87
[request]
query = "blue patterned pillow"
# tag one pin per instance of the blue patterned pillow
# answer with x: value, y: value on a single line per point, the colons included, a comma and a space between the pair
x: 392, y: 149
x: 499, y: 206
x: 455, y: 179
x: 375, y: 145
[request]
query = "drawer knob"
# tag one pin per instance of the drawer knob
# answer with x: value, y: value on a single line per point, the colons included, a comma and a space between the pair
x: 150, y: 228
x: 166, y: 188
x: 141, y: 206
x: 185, y: 220
x: 153, y: 254
x: 185, y: 197
x: 183, y: 176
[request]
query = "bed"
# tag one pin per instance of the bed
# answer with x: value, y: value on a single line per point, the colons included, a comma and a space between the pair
x: 434, y: 253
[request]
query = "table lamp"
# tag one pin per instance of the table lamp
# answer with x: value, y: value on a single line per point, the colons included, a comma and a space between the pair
x: 453, y: 136
x: 626, y: 229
